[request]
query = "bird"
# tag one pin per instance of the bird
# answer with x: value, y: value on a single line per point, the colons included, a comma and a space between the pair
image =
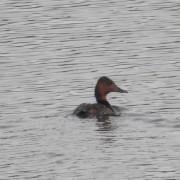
x: 102, y: 107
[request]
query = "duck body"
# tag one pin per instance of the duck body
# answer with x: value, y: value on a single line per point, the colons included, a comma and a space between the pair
x: 85, y: 110
x: 102, y: 107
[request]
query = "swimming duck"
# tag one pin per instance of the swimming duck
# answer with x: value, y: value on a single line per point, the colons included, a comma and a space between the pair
x: 102, y: 108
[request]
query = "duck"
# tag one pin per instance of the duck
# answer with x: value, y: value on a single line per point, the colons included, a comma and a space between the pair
x: 102, y: 107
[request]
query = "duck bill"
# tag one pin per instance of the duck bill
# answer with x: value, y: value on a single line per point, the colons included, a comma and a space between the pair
x: 121, y: 90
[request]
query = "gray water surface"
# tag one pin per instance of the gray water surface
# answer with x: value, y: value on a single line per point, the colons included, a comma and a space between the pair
x: 51, y: 55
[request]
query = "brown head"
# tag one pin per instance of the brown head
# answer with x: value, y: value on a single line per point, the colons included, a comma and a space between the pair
x: 104, y: 86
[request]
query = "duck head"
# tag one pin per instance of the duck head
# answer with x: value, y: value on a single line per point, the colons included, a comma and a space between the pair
x: 103, y: 87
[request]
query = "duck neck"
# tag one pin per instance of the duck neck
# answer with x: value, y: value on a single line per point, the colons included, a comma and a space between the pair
x: 101, y: 99
x: 104, y: 102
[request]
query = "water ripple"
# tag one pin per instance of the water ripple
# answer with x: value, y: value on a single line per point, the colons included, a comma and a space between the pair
x: 52, y: 53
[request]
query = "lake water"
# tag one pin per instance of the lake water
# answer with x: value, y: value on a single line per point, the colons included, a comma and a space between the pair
x: 51, y: 55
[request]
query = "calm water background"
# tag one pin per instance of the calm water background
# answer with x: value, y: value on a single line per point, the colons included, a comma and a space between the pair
x: 51, y: 54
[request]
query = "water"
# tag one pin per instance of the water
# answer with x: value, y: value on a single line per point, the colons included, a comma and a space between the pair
x: 52, y: 53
